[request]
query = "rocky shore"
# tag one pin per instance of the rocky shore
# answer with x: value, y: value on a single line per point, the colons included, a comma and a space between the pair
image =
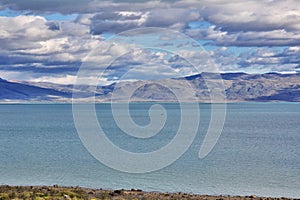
x: 58, y: 192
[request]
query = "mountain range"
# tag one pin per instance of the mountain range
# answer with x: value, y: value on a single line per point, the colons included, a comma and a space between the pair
x: 237, y: 86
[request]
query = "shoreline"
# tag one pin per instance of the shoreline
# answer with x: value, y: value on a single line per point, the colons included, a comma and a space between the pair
x: 119, y: 102
x: 69, y: 192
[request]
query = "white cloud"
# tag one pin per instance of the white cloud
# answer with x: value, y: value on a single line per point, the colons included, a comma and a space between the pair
x: 34, y: 44
x: 25, y: 27
x: 64, y: 80
x: 240, y: 23
x: 30, y: 38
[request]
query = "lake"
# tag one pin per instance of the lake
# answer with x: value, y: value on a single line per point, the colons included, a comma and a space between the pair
x: 258, y: 151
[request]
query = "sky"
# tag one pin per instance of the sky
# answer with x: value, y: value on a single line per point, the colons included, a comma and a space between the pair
x: 48, y: 41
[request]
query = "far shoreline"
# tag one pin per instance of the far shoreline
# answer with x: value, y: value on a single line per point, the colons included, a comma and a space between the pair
x: 123, y: 102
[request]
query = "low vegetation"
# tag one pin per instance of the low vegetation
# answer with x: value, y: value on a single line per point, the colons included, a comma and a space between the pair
x: 56, y: 192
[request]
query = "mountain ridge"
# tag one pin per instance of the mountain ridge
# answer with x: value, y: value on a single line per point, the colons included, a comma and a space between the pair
x: 238, y: 87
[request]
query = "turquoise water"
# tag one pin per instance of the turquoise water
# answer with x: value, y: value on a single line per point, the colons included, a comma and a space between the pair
x: 257, y: 153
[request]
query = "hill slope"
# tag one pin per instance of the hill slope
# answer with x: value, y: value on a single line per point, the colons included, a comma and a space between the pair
x: 238, y: 87
x: 10, y: 91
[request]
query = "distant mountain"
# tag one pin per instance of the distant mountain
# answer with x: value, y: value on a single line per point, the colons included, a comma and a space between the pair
x: 238, y: 87
x: 12, y: 91
x: 257, y: 87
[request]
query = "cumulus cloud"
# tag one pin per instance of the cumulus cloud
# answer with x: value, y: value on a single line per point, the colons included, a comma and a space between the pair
x: 116, y: 22
x: 31, y: 43
x: 119, y: 21
x: 80, y: 6
x: 268, y: 59
x: 246, y: 39
x: 145, y: 64
x: 233, y: 23
x: 34, y: 44
x: 251, y: 15
x: 38, y: 6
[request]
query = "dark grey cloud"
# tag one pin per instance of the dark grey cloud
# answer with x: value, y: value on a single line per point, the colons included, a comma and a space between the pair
x: 53, y: 6
x: 100, y: 27
x: 290, y: 55
x: 53, y: 26
x: 118, y: 21
x: 41, y: 69
x: 80, y: 6
x: 244, y: 39
x: 273, y: 60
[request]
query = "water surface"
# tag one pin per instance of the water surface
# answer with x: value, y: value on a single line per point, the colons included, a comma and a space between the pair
x: 257, y: 153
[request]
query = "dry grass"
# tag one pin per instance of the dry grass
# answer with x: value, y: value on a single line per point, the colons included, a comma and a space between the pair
x: 56, y: 192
